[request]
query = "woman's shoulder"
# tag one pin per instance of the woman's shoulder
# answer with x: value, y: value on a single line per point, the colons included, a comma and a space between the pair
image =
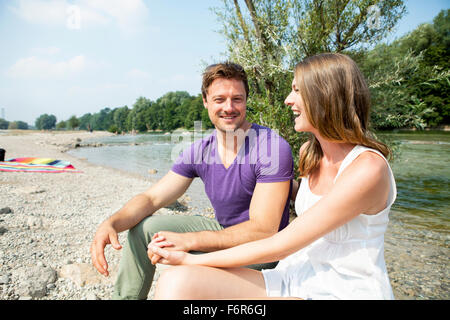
x: 367, y: 179
x: 372, y: 158
x: 370, y: 165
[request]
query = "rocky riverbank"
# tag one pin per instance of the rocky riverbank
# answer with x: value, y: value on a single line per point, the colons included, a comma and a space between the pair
x: 47, y: 221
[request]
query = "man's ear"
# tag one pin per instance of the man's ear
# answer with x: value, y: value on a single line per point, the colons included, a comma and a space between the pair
x: 205, y: 104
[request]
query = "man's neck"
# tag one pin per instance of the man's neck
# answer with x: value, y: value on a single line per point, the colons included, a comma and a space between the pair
x: 233, y: 139
x: 229, y: 143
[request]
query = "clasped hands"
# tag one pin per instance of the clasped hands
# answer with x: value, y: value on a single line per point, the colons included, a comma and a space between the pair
x: 168, y: 248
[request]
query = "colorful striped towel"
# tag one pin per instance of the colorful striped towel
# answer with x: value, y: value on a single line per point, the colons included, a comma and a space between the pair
x: 36, y: 165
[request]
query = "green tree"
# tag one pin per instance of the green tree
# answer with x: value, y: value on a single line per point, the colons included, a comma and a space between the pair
x: 138, y: 117
x: 113, y: 128
x: 270, y: 36
x: 102, y: 120
x: 192, y: 110
x: 154, y: 116
x: 166, y: 111
x: 120, y: 117
x: 73, y: 122
x: 206, y: 122
x: 45, y: 122
x: 85, y: 122
x: 4, y: 124
x: 62, y: 125
x: 409, y: 78
x: 22, y: 125
x: 13, y: 125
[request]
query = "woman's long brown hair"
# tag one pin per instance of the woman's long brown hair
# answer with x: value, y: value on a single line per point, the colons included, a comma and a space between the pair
x: 337, y: 104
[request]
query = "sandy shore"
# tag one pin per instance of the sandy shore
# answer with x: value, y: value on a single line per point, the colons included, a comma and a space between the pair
x: 46, y: 236
x: 54, y: 217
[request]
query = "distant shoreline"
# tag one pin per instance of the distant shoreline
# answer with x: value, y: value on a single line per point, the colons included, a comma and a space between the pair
x: 443, y: 128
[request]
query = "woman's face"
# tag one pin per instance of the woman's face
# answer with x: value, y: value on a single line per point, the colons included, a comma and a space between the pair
x: 295, y: 101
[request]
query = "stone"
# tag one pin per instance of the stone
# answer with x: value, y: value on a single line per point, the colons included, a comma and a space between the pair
x: 34, y: 222
x: 34, y: 289
x: 29, y: 190
x: 81, y: 274
x: 4, y: 279
x: 33, y: 281
x: 6, y: 210
x: 91, y: 296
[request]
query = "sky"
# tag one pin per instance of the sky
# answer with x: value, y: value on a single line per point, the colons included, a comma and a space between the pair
x: 71, y: 57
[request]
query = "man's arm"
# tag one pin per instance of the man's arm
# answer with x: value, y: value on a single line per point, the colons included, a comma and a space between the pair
x: 164, y: 192
x: 266, y: 208
x: 159, y: 195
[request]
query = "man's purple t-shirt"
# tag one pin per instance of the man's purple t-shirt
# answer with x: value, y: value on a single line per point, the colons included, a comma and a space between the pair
x: 263, y: 157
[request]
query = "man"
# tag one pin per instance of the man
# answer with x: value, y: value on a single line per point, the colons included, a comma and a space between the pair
x: 248, y: 187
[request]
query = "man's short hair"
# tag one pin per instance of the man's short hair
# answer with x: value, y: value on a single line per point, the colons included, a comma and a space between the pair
x: 227, y: 70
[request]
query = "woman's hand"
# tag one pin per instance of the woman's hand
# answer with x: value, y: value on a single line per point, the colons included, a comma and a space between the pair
x: 157, y: 254
x: 168, y: 257
x: 160, y: 241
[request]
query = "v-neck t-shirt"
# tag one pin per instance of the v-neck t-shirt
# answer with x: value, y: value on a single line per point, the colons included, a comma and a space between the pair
x: 264, y: 157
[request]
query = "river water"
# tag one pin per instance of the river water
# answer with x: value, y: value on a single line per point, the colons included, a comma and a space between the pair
x: 143, y: 152
x: 417, y: 242
x: 421, y: 168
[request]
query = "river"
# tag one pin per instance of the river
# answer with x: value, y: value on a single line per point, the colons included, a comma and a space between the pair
x: 421, y: 169
x: 417, y: 240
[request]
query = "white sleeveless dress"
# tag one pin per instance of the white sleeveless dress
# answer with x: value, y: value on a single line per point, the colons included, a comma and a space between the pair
x: 347, y: 263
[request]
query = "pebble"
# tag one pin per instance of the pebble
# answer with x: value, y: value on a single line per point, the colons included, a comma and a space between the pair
x: 5, y: 210
x: 4, y: 279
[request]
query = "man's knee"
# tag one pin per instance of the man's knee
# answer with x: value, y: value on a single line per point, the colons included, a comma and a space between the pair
x: 145, y: 229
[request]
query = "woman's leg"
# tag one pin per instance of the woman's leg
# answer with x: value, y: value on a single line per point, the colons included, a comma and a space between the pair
x: 200, y: 282
x: 135, y: 275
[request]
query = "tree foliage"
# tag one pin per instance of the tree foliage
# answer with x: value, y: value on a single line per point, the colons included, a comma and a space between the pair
x: 62, y: 125
x: 45, y: 122
x: 169, y: 112
x: 268, y: 37
x: 21, y: 125
x: 4, y: 124
x: 409, y: 78
x: 73, y: 122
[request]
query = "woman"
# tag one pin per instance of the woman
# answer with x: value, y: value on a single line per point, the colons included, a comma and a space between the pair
x: 334, y: 249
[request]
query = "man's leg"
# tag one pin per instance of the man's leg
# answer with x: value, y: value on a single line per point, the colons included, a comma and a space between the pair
x: 136, y: 272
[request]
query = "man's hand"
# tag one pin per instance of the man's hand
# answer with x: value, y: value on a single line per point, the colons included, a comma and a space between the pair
x: 105, y: 234
x: 179, y: 241
x: 157, y: 254
x: 158, y: 241
x: 171, y: 241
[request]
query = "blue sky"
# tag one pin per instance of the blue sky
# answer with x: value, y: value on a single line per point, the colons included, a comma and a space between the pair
x: 70, y: 57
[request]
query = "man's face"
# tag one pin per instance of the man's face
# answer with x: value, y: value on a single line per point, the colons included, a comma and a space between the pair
x: 226, y: 102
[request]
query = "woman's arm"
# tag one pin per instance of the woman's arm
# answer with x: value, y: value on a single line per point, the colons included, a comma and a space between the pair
x: 359, y: 189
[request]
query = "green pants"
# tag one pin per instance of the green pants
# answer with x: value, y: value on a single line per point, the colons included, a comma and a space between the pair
x: 136, y: 272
